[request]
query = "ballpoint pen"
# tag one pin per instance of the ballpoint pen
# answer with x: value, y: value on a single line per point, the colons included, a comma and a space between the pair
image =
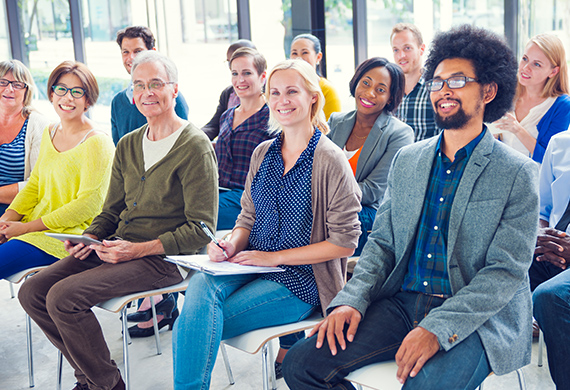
x: 212, y: 237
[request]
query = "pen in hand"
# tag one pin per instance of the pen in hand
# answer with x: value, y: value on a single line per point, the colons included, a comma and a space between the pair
x: 212, y: 237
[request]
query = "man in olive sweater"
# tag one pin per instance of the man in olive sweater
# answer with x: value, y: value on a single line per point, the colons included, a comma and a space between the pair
x: 163, y: 183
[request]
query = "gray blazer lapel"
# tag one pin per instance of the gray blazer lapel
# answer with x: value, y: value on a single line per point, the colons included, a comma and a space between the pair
x: 340, y: 131
x: 413, y: 201
x: 475, y: 167
x: 371, y: 143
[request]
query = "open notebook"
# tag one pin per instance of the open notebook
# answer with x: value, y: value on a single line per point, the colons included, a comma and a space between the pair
x: 204, y: 264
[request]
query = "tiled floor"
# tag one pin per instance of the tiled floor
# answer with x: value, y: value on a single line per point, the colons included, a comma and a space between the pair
x: 152, y: 372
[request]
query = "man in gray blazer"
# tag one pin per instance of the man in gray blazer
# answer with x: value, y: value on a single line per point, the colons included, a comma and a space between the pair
x: 441, y: 285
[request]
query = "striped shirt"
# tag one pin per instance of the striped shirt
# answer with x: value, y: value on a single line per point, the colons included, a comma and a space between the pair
x: 427, y: 269
x: 13, y: 158
x: 235, y: 146
x: 416, y: 111
x: 284, y: 215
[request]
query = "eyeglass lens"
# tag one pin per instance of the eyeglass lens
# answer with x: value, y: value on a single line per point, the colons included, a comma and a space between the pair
x: 15, y: 84
x: 76, y: 92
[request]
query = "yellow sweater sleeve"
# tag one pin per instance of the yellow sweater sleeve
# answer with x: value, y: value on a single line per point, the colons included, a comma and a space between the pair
x: 332, y: 101
x: 92, y: 183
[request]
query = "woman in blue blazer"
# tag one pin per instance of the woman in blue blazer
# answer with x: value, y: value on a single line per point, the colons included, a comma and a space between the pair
x: 370, y: 136
x: 542, y: 104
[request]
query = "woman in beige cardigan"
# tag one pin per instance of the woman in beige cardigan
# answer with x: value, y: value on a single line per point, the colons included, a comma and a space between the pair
x: 299, y: 212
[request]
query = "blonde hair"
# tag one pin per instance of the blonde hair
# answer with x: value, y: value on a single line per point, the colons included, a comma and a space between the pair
x: 553, y: 49
x: 22, y: 74
x: 309, y: 75
x: 398, y: 28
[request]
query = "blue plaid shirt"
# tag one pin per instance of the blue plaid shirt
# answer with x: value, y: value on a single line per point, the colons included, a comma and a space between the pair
x: 417, y: 112
x: 427, y: 269
x: 235, y: 146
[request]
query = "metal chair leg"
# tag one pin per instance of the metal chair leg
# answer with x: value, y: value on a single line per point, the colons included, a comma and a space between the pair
x: 155, y: 325
x: 520, y: 375
x: 270, y: 360
x: 264, y: 372
x: 227, y: 364
x: 59, y: 369
x: 30, y: 350
x: 126, y: 347
x: 12, y: 295
x: 540, y: 347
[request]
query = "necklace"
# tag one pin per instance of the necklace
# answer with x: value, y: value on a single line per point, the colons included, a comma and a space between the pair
x: 358, y: 137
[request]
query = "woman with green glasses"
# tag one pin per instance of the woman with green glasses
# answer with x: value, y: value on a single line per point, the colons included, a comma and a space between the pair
x: 69, y: 182
x: 20, y: 129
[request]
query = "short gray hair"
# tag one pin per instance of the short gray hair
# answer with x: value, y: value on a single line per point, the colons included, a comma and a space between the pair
x: 154, y: 56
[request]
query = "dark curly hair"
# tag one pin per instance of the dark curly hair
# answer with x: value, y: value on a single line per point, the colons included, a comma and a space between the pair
x: 492, y: 59
x: 397, y: 80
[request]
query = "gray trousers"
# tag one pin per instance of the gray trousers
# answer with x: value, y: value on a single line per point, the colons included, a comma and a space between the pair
x: 59, y: 299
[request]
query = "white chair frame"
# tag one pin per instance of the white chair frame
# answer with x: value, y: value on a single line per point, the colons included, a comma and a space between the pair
x: 260, y: 339
x: 385, y: 373
x: 120, y: 304
x: 16, y: 279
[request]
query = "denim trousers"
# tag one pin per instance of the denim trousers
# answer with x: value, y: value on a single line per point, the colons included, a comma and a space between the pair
x: 551, y: 309
x: 229, y: 208
x: 16, y: 256
x: 59, y: 299
x: 220, y: 307
x: 378, y: 338
x: 366, y: 217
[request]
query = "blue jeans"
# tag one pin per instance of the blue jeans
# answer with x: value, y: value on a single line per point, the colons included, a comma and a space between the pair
x: 366, y: 217
x: 229, y: 209
x: 3, y: 207
x: 220, y: 307
x: 379, y: 335
x: 551, y: 309
x: 16, y: 256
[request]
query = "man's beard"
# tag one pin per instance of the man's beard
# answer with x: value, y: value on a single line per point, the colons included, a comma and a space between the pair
x: 455, y: 121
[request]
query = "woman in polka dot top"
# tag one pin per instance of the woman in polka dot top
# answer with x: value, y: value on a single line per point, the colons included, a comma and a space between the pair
x: 299, y: 212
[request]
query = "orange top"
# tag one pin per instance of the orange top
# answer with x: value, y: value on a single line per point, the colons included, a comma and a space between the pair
x: 354, y: 160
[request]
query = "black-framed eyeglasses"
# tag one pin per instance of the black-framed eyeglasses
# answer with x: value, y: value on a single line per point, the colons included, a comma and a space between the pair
x: 155, y: 85
x: 454, y: 82
x: 15, y: 84
x: 76, y: 92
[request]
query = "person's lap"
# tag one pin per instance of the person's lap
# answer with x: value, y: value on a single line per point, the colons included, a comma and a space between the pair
x: 377, y: 339
x: 16, y: 256
x: 366, y: 217
x: 220, y: 307
x: 551, y: 308
x: 229, y: 208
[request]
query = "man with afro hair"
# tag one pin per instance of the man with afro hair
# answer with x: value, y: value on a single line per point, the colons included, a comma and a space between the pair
x: 441, y: 285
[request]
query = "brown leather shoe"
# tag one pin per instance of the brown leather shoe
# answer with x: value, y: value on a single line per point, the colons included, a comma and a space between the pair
x: 120, y: 385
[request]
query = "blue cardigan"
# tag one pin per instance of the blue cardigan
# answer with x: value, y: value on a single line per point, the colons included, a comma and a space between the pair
x: 556, y: 119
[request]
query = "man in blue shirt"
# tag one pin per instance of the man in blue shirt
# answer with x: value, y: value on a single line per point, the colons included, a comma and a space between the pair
x: 441, y: 285
x: 548, y: 276
x: 125, y: 117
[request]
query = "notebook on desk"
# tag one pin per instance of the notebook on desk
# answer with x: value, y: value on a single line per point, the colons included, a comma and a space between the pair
x: 203, y: 263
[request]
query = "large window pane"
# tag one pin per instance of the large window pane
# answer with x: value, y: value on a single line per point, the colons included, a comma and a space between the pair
x: 101, y: 21
x: 47, y: 36
x: 430, y: 16
x: 340, y: 48
x: 4, y: 41
x: 544, y: 16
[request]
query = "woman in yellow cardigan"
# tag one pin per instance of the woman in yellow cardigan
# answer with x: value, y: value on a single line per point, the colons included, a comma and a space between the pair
x: 69, y: 182
x: 308, y: 48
